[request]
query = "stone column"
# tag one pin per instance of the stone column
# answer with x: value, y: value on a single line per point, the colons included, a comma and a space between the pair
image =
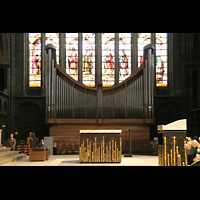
x: 80, y: 74
x: 25, y: 67
x: 116, y: 58
x: 98, y: 54
x: 43, y: 38
x: 62, y: 50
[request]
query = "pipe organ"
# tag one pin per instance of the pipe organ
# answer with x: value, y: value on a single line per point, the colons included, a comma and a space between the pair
x: 67, y: 98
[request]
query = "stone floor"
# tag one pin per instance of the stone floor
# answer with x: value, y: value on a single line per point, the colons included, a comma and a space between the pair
x: 73, y: 160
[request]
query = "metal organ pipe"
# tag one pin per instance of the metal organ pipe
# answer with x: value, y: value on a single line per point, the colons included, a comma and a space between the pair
x: 61, y: 97
x: 49, y: 84
x: 53, y: 89
x: 153, y: 83
x: 149, y: 82
x: 65, y: 98
x: 47, y: 81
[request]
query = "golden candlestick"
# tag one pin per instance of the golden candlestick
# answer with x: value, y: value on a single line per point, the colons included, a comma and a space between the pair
x: 174, y: 151
x: 171, y: 157
x: 106, y: 153
x: 115, y: 152
x: 165, y: 156
x: 178, y: 160
x: 112, y: 150
x: 112, y: 154
x: 90, y: 149
x: 109, y: 153
x: 168, y: 160
x: 95, y: 150
x: 103, y: 150
x: 186, y: 163
x: 177, y: 150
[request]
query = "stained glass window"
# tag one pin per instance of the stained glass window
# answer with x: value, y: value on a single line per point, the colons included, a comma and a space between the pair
x: 108, y: 59
x: 124, y: 56
x: 34, y: 59
x: 161, y: 59
x: 72, y: 54
x: 53, y: 38
x: 88, y: 59
x: 143, y: 40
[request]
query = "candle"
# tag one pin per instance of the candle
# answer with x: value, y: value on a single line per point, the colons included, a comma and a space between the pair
x: 174, y: 151
x: 165, y: 151
x: 177, y: 150
x: 186, y: 164
x: 171, y: 157
x: 168, y: 160
x: 178, y: 160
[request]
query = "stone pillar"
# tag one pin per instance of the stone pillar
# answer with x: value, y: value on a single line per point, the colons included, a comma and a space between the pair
x: 98, y: 55
x: 80, y: 57
x: 43, y: 38
x: 25, y: 67
x: 62, y: 54
x: 134, y: 53
x: 116, y: 58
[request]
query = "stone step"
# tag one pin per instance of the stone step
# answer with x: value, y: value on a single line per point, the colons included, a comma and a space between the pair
x: 2, y: 149
x: 4, y: 154
x: 12, y: 158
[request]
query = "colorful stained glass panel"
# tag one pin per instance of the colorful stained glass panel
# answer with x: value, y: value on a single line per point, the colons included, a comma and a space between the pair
x: 124, y: 56
x: 143, y: 40
x: 108, y: 59
x: 161, y: 59
x: 72, y: 54
x: 88, y: 59
x: 34, y: 59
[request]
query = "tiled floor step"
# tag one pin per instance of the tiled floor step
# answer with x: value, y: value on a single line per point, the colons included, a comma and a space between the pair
x: 3, y: 149
x: 12, y: 158
x: 8, y: 153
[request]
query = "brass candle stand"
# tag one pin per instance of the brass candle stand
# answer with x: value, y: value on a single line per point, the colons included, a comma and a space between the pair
x: 101, y: 154
x: 173, y: 158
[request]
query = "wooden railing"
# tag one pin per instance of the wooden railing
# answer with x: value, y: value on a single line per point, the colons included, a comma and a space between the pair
x: 67, y: 98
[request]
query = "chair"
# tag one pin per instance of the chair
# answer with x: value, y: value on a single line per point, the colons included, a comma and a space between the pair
x: 37, y: 153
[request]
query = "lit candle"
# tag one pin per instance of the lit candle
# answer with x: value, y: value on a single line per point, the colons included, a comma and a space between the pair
x: 165, y: 156
x: 174, y: 151
x: 185, y: 154
x: 180, y: 159
x: 177, y: 150
x: 171, y: 157
x: 168, y: 160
